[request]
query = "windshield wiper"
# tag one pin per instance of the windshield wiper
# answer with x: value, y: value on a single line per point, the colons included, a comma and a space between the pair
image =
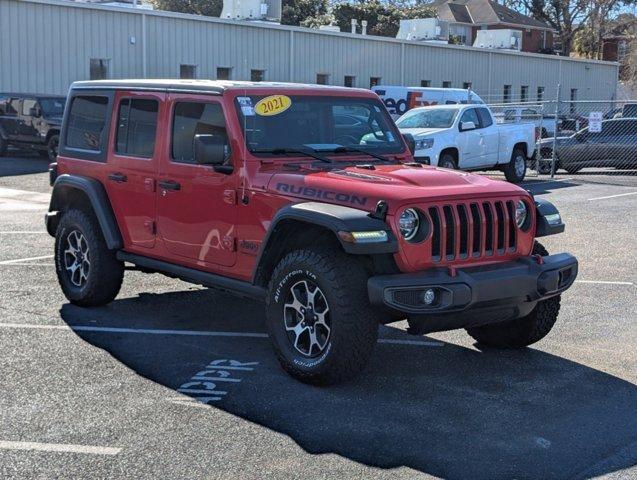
x: 291, y: 151
x: 360, y: 150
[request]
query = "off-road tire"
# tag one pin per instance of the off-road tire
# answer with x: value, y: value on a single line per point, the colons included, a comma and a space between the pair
x: 448, y: 161
x: 523, y: 331
x: 512, y: 171
x: 354, y: 325
x: 106, y: 273
x: 52, y: 147
x: 3, y: 146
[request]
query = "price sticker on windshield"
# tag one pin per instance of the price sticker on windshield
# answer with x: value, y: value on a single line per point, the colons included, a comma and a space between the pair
x: 272, y: 105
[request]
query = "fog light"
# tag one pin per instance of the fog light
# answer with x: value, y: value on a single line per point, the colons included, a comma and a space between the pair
x: 429, y: 296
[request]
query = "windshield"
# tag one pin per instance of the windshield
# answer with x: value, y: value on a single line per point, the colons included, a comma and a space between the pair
x: 428, y: 118
x: 278, y: 122
x: 52, y: 107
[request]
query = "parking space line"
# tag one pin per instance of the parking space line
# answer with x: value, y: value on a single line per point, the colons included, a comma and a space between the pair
x: 19, y: 260
x: 604, y: 282
x: 59, y: 447
x: 195, y: 333
x: 612, y: 196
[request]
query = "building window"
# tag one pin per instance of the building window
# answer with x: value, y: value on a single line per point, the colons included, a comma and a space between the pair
x: 573, y: 100
x: 187, y: 71
x: 506, y: 94
x: 322, y: 79
x: 224, y: 73
x: 540, y: 94
x: 374, y: 81
x: 446, y: 84
x: 99, y: 68
x: 136, y: 127
x: 425, y: 83
x: 257, y: 75
x: 524, y: 93
x: 466, y: 85
x: 350, y: 81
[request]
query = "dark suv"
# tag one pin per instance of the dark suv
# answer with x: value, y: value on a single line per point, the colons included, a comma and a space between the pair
x: 31, y: 121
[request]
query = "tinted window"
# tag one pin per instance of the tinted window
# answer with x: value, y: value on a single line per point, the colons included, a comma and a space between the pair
x: 470, y: 116
x: 136, y: 127
x: 485, y: 117
x: 192, y: 119
x: 86, y: 123
x: 52, y: 107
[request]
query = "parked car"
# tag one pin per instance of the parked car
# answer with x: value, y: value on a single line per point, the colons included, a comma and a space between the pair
x: 400, y: 100
x: 31, y: 122
x: 246, y: 187
x: 467, y: 137
x: 615, y: 146
x: 545, y: 124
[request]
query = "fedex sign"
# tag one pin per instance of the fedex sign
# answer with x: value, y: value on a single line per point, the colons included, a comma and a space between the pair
x: 399, y: 102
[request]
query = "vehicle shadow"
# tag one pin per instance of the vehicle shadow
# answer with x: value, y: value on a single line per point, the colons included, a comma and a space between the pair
x: 448, y: 411
x: 22, y: 163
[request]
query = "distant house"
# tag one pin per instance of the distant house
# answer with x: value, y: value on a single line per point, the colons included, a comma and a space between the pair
x: 466, y: 17
x: 617, y: 47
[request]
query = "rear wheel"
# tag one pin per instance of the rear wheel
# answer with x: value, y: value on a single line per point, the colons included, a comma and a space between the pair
x: 515, y: 170
x: 3, y: 146
x: 88, y: 272
x: 448, y: 161
x: 318, y: 316
x: 522, y: 331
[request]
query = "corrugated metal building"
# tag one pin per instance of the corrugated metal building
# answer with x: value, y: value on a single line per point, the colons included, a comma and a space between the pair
x: 46, y: 45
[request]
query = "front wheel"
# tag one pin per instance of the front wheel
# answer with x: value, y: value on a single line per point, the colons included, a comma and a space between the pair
x: 515, y: 170
x: 318, y: 316
x: 524, y: 331
x: 447, y: 161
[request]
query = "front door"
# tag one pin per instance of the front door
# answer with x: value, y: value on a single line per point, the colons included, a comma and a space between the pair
x: 133, y: 164
x: 470, y: 142
x: 196, y: 204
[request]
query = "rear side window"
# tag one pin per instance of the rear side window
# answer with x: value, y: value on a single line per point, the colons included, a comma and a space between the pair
x: 485, y: 117
x: 87, y: 120
x: 194, y: 118
x: 136, y: 127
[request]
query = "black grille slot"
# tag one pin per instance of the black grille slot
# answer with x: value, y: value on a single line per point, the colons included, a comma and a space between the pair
x: 450, y: 233
x: 488, y: 220
x: 464, y: 227
x: 408, y: 297
x: 435, y: 236
x: 499, y: 211
x: 477, y: 229
x: 512, y: 230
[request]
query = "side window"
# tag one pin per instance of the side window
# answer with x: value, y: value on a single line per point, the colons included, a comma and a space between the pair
x: 136, y: 127
x: 485, y: 117
x: 87, y: 119
x: 190, y: 119
x: 27, y: 105
x: 13, y: 105
x: 470, y: 116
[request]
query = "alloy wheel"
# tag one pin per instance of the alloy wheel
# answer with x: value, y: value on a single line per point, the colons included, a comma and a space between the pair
x: 76, y: 258
x: 306, y: 318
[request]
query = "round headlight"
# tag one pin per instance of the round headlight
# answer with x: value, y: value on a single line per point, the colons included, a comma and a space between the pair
x: 520, y: 213
x: 408, y: 223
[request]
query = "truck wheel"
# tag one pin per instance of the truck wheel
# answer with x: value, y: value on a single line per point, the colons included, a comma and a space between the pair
x: 88, y: 272
x: 515, y: 170
x: 52, y: 147
x: 318, y: 316
x: 447, y: 161
x: 3, y: 146
x: 522, y: 331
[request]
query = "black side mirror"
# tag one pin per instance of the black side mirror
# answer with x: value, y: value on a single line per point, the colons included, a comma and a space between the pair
x: 410, y: 141
x: 212, y: 150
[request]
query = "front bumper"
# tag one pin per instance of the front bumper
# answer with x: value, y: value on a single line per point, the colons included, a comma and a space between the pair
x: 515, y: 286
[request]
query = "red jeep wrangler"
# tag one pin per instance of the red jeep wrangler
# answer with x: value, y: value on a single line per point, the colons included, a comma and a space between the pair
x: 306, y: 197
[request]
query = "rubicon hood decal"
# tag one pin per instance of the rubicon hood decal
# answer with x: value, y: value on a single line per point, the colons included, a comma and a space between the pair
x: 320, y: 194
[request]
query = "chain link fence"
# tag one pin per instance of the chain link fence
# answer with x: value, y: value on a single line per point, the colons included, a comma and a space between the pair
x: 581, y: 138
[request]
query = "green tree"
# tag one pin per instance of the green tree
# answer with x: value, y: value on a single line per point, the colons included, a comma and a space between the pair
x: 294, y: 12
x: 211, y: 8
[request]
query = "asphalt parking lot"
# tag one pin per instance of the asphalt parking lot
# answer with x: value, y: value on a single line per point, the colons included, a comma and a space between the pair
x: 112, y: 392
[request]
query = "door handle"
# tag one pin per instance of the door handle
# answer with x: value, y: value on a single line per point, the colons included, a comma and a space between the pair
x: 169, y: 185
x: 117, y: 177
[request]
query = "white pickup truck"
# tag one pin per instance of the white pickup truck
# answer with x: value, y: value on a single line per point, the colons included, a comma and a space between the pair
x: 467, y: 137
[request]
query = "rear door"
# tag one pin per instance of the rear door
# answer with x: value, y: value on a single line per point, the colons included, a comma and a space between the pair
x: 133, y: 164
x: 196, y: 205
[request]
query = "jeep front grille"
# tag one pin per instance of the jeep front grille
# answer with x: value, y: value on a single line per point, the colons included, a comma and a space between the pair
x: 476, y: 230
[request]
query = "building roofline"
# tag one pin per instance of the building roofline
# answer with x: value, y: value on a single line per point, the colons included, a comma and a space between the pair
x: 313, y: 31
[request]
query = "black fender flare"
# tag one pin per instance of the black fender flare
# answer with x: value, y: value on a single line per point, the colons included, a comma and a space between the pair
x: 544, y: 209
x: 335, y: 218
x: 100, y: 204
